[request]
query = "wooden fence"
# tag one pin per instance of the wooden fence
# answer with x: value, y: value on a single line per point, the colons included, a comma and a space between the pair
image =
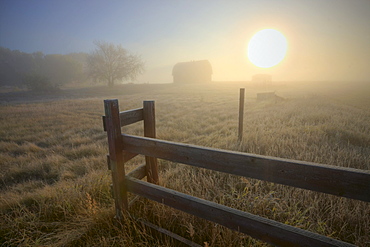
x: 339, y: 181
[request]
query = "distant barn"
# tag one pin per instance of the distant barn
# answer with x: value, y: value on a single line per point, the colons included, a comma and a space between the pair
x: 192, y: 72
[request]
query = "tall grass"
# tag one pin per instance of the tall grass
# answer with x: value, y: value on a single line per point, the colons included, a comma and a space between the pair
x: 55, y: 186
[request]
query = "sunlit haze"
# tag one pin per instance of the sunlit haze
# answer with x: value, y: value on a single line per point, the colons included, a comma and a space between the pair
x: 327, y: 40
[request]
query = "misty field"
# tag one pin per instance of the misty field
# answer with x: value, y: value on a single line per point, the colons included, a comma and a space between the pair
x: 55, y: 185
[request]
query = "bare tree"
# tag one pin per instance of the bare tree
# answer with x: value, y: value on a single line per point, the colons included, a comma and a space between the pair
x: 111, y: 62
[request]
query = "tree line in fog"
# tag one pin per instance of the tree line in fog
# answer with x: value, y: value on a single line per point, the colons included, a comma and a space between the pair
x: 17, y: 67
x: 108, y: 64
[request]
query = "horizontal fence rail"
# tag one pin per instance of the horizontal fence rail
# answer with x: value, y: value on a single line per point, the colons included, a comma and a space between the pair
x: 258, y: 227
x: 340, y: 181
x: 131, y: 116
x: 127, y: 117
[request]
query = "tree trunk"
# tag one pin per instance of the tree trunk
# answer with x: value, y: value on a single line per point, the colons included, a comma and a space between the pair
x: 110, y: 82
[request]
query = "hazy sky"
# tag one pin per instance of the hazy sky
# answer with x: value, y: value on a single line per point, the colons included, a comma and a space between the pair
x: 327, y: 40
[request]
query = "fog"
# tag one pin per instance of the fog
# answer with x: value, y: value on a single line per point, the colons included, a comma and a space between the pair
x: 327, y: 41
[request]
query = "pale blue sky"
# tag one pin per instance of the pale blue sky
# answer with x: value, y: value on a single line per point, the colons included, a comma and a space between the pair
x: 328, y: 40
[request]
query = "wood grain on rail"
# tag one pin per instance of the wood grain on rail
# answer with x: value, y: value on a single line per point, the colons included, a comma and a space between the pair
x: 340, y: 181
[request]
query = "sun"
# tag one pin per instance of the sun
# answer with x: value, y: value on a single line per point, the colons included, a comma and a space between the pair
x: 267, y: 48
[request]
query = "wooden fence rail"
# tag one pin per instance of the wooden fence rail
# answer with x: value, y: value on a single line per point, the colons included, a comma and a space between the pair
x: 339, y: 181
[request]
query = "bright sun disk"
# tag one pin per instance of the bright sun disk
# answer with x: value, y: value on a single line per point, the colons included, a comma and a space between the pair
x: 267, y: 48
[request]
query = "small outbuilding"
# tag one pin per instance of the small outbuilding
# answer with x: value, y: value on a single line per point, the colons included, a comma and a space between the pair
x: 268, y: 96
x: 192, y: 72
x: 262, y: 78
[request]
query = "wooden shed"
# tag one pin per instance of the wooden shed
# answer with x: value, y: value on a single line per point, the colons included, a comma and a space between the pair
x: 192, y: 72
x: 264, y: 78
x: 268, y: 96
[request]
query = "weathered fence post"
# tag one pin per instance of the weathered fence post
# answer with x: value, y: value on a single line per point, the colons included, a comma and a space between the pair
x: 116, y: 162
x: 241, y: 114
x: 149, y: 131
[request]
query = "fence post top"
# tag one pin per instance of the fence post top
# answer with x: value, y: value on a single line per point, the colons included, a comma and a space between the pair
x: 110, y: 100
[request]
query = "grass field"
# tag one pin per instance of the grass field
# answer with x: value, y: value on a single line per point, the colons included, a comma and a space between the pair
x: 55, y: 185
